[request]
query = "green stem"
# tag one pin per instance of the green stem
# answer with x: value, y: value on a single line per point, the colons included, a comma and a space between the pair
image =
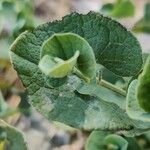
x: 80, y: 75
x: 111, y: 87
x: 101, y: 82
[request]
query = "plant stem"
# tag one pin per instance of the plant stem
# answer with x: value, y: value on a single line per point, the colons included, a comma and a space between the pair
x: 111, y: 87
x: 80, y: 75
x: 101, y: 82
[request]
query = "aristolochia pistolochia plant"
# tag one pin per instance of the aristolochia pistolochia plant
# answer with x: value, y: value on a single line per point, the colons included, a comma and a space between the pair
x: 64, y: 53
x: 60, y: 64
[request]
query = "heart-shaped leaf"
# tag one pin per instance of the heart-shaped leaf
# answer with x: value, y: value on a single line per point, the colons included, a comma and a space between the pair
x: 113, y: 46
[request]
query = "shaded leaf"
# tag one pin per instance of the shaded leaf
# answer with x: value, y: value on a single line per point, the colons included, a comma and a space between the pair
x: 132, y: 144
x: 3, y: 105
x: 121, y: 8
x: 11, y: 137
x: 107, y: 8
x: 143, y: 25
x: 133, y: 108
x: 143, y: 89
x: 99, y: 140
x: 5, y: 109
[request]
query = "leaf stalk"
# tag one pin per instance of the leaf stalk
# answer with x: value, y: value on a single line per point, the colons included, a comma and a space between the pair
x: 110, y: 86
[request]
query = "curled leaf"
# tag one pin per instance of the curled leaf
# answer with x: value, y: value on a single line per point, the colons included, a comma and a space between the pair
x: 56, y: 67
x: 62, y: 52
x: 99, y: 140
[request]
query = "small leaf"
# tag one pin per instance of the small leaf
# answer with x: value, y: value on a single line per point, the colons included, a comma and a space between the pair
x: 133, y: 108
x: 62, y: 52
x: 116, y: 141
x: 143, y: 89
x: 143, y: 25
x: 56, y: 67
x: 11, y: 137
x: 99, y: 140
x: 107, y: 8
x: 122, y: 8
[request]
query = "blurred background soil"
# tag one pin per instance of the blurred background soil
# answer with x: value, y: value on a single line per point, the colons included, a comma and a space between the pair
x: 41, y: 134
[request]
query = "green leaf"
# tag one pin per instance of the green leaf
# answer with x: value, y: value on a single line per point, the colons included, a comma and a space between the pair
x: 99, y: 140
x: 145, y: 56
x: 5, y: 110
x: 11, y: 137
x: 143, y: 25
x: 107, y: 8
x: 133, y: 108
x: 117, y: 141
x: 143, y: 89
x: 103, y: 93
x: 57, y: 68
x: 132, y: 144
x: 109, y: 76
x: 114, y: 47
x: 122, y: 8
x: 86, y: 112
x: 62, y: 52
x: 3, y: 105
